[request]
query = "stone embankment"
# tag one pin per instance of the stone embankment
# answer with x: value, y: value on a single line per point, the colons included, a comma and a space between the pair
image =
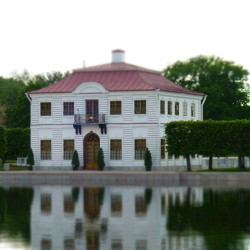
x: 121, y: 178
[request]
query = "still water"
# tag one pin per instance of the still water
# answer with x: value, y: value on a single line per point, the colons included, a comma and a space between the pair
x: 140, y: 218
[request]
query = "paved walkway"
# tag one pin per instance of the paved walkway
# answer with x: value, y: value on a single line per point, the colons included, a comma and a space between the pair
x: 123, y: 178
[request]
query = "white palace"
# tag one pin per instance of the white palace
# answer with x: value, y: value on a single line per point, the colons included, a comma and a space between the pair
x: 117, y: 106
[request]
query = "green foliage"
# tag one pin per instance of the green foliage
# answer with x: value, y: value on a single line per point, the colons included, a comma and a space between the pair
x: 3, y: 143
x: 9, y: 89
x: 208, y: 138
x: 17, y: 111
x: 100, y: 159
x: 18, y: 142
x: 148, y: 195
x: 221, y: 220
x: 75, y: 160
x: 224, y: 83
x: 30, y: 159
x: 148, y: 160
x: 75, y: 193
x: 15, y: 212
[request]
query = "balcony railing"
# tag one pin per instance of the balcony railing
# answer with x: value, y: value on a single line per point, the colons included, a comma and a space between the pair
x: 81, y: 119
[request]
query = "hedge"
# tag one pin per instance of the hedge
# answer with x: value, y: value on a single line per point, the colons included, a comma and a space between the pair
x: 3, y: 143
x: 18, y: 142
x: 209, y: 138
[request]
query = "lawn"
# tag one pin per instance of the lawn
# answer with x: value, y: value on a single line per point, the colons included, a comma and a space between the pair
x: 232, y: 169
x: 12, y: 166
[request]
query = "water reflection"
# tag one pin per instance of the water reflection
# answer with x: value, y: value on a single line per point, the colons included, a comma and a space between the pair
x: 140, y: 218
x: 105, y: 218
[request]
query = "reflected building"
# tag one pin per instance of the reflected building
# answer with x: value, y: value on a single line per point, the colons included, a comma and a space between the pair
x: 116, y: 218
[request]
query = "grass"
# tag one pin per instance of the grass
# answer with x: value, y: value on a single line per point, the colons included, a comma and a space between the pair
x: 232, y: 169
x: 12, y: 166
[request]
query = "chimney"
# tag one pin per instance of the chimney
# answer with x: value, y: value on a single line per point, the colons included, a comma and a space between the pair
x: 118, y: 56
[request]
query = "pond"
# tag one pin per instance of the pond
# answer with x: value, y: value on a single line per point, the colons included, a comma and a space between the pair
x: 46, y: 217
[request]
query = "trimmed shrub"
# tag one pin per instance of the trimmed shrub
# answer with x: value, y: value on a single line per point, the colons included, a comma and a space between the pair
x: 148, y: 160
x: 30, y: 159
x: 100, y: 160
x: 75, y: 160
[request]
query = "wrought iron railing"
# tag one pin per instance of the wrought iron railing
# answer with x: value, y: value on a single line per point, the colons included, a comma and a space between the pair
x: 81, y: 119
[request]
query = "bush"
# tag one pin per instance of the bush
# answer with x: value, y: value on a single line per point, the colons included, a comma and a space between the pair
x: 100, y: 159
x: 18, y: 142
x: 3, y: 143
x: 30, y: 159
x: 148, y: 160
x: 75, y: 160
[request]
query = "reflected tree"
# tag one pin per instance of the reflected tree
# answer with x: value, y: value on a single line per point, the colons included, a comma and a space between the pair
x: 15, y: 212
x: 221, y: 219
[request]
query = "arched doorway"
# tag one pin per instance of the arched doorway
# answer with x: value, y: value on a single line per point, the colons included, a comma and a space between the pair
x: 91, y: 147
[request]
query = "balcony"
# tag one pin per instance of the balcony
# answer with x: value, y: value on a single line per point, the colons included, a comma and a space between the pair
x: 86, y: 119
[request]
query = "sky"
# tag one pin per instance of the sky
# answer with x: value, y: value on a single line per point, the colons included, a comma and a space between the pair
x: 43, y: 36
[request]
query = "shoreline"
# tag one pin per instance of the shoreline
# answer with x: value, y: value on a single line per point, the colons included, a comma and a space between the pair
x: 125, y: 178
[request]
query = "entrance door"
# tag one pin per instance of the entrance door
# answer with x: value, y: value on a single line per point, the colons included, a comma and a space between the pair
x: 91, y: 145
x: 92, y: 111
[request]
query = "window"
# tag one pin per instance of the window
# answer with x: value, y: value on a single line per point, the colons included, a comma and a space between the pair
x: 115, y: 107
x: 46, y: 150
x: 177, y: 108
x: 184, y: 108
x: 140, y: 147
x: 69, y: 244
x: 45, y: 108
x: 46, y: 203
x: 69, y: 205
x: 193, y: 110
x: 46, y: 244
x: 162, y: 107
x: 116, y: 244
x: 140, y: 107
x: 163, y: 149
x: 68, y: 108
x: 68, y: 149
x: 141, y: 244
x: 140, y: 206
x: 115, y: 149
x: 116, y: 205
x: 169, y: 108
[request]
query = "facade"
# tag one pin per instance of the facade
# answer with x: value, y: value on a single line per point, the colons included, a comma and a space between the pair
x: 119, y: 107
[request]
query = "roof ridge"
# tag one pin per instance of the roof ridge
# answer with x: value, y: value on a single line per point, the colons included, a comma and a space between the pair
x: 115, y: 66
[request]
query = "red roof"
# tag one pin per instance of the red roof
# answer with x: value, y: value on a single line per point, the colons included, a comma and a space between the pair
x: 116, y: 77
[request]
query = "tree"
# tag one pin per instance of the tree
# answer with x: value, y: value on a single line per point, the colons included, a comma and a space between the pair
x: 100, y: 159
x: 18, y: 113
x: 224, y: 83
x: 75, y: 160
x: 209, y: 138
x: 9, y: 88
x: 148, y: 160
x: 3, y: 143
